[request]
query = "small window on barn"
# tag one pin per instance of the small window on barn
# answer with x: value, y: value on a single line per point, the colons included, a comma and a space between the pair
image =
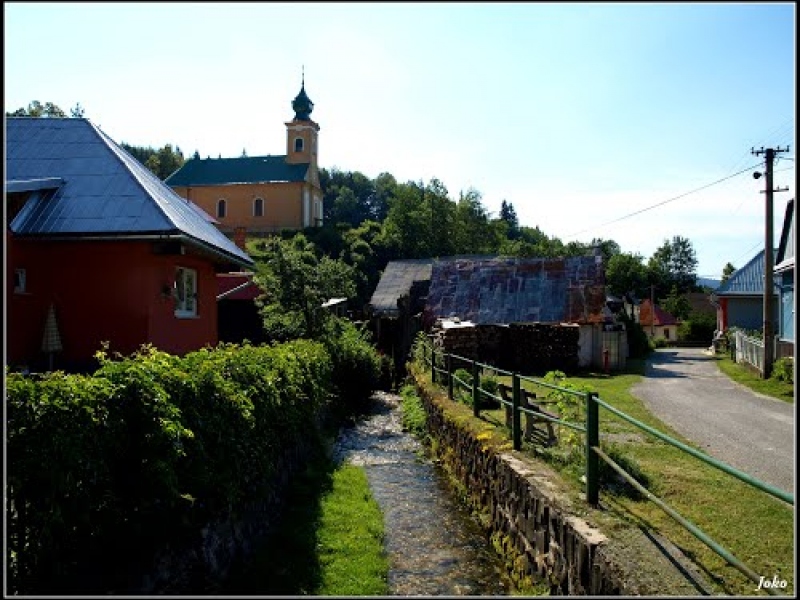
x: 185, y: 292
x: 20, y: 281
x: 222, y: 208
x: 258, y: 207
x: 298, y: 144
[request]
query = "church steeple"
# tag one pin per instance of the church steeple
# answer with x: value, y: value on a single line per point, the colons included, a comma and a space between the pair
x: 302, y: 104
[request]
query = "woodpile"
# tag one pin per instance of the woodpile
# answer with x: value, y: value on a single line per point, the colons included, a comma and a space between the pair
x: 538, y: 348
x: 528, y: 348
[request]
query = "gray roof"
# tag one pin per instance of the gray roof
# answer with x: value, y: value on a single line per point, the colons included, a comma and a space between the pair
x: 396, y: 281
x: 105, y: 192
x: 747, y: 281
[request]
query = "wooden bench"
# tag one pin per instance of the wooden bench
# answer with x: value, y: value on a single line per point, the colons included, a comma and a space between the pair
x: 531, y: 433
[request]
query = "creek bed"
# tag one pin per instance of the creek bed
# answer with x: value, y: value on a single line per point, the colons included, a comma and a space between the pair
x: 434, y: 545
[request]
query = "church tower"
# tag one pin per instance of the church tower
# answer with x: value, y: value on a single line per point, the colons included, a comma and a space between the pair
x: 301, y: 132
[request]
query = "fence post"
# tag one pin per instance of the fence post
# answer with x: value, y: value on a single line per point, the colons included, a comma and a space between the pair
x: 516, y: 429
x: 592, y: 441
x: 476, y: 385
x: 433, y: 363
x: 448, y: 359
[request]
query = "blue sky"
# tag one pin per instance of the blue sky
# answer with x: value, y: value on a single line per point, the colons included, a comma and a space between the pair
x: 577, y: 114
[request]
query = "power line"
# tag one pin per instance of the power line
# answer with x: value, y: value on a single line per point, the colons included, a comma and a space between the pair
x: 638, y: 212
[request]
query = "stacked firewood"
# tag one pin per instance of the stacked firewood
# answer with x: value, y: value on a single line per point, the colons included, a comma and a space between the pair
x: 537, y: 348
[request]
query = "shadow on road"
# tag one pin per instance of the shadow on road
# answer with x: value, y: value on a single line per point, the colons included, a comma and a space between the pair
x: 659, y: 363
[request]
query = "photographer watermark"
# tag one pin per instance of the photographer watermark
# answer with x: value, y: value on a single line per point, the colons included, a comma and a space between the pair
x: 773, y: 583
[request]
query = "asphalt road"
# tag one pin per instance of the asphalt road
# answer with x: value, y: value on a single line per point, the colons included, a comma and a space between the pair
x: 749, y: 431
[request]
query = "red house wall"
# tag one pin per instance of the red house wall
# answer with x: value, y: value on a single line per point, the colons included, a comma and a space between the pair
x: 103, y: 291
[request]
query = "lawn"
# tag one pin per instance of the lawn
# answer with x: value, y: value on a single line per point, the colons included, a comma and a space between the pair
x: 741, y: 374
x: 753, y: 526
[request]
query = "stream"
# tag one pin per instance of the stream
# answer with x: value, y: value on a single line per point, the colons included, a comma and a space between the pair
x: 435, y: 547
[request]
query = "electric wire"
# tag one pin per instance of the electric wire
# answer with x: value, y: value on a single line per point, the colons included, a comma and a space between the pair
x: 662, y: 203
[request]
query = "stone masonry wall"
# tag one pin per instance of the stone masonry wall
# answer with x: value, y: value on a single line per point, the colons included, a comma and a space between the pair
x: 533, y: 522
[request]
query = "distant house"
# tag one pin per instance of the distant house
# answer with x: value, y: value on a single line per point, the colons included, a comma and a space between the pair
x: 740, y: 300
x: 784, y: 276
x: 260, y: 194
x: 98, y: 241
x: 656, y: 322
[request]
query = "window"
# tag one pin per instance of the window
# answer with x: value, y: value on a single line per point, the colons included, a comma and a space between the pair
x: 298, y: 144
x: 185, y: 292
x: 20, y: 282
x: 258, y: 207
x: 222, y: 207
x: 666, y: 333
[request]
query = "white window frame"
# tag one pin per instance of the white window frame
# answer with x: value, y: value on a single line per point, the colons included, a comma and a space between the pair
x: 185, y: 289
x: 255, y: 203
x: 20, y: 281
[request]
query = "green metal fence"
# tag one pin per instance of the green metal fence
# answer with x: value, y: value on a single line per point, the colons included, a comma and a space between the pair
x: 442, y: 369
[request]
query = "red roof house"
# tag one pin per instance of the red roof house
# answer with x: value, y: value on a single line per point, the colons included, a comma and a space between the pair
x: 103, y: 244
x: 660, y: 325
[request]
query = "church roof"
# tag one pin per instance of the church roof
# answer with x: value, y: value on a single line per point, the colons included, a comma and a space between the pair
x: 245, y: 169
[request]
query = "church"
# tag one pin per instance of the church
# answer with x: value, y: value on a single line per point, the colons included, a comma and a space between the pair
x: 260, y: 194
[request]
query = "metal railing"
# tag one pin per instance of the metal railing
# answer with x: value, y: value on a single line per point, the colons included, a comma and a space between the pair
x: 441, y: 365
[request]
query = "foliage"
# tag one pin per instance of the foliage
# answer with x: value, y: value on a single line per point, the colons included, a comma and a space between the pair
x: 638, y: 342
x: 677, y: 304
x: 570, y: 408
x: 150, y: 447
x: 297, y: 283
x: 698, y: 327
x: 727, y: 271
x: 673, y: 264
x: 356, y: 363
x: 626, y: 273
x: 37, y: 109
x: 783, y: 370
x: 162, y: 162
x: 463, y: 392
x: 414, y: 416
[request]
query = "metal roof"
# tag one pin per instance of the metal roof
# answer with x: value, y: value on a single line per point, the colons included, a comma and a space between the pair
x: 396, y: 281
x: 784, y: 259
x: 747, y: 281
x: 246, y: 169
x: 105, y: 191
x: 517, y: 290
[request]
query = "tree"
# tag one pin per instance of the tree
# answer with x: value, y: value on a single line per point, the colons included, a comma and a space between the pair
x: 297, y: 284
x: 77, y: 111
x: 677, y: 304
x: 162, y: 162
x: 37, y: 109
x: 509, y: 215
x: 473, y: 233
x: 626, y: 274
x: 673, y: 264
x: 727, y: 271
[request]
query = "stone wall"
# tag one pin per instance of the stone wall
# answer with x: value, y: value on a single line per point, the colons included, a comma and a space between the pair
x: 529, y: 520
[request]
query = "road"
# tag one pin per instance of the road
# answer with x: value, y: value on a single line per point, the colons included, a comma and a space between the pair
x: 749, y: 431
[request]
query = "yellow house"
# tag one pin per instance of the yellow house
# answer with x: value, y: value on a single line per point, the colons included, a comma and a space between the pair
x: 260, y: 194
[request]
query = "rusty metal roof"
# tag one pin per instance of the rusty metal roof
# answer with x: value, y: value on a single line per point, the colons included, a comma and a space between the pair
x: 516, y: 290
x: 396, y: 281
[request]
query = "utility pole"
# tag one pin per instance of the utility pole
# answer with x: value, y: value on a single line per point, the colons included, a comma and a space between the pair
x: 769, y: 341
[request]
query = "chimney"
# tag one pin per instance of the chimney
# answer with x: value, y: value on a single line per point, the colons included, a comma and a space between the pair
x: 239, y: 236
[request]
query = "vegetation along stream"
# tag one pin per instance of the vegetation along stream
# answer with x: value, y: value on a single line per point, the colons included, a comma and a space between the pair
x: 435, y: 547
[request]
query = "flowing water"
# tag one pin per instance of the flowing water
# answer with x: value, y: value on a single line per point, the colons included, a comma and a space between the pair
x: 435, y: 547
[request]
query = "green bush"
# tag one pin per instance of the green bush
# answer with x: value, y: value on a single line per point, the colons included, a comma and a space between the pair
x: 356, y: 362
x: 414, y: 417
x: 489, y: 384
x: 783, y: 370
x: 638, y: 343
x: 147, y: 450
x: 462, y: 392
x: 699, y: 327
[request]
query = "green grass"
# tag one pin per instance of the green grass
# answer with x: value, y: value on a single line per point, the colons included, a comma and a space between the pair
x: 753, y: 526
x: 329, y: 542
x: 414, y: 415
x: 745, y: 376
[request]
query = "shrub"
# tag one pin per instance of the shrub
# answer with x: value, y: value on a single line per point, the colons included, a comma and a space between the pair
x: 699, y: 327
x: 638, y: 343
x: 490, y: 385
x: 463, y: 392
x: 414, y: 417
x: 356, y: 363
x: 783, y: 370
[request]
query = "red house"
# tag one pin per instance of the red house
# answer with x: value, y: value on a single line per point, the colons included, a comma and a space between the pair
x: 115, y: 252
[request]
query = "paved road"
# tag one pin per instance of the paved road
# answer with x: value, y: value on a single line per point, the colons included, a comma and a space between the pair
x: 749, y: 431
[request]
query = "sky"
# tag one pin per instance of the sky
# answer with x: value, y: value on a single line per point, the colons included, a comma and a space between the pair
x: 593, y: 120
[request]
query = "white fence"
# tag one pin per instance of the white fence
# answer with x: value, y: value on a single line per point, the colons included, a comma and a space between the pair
x: 749, y: 350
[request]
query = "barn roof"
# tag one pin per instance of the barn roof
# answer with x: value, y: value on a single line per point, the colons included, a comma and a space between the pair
x: 396, y: 282
x: 747, y: 281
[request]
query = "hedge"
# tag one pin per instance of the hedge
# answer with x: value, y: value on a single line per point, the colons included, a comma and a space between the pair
x: 103, y: 469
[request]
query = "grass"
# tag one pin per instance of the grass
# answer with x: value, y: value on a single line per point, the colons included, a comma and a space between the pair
x: 329, y: 542
x: 749, y: 378
x: 754, y: 527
